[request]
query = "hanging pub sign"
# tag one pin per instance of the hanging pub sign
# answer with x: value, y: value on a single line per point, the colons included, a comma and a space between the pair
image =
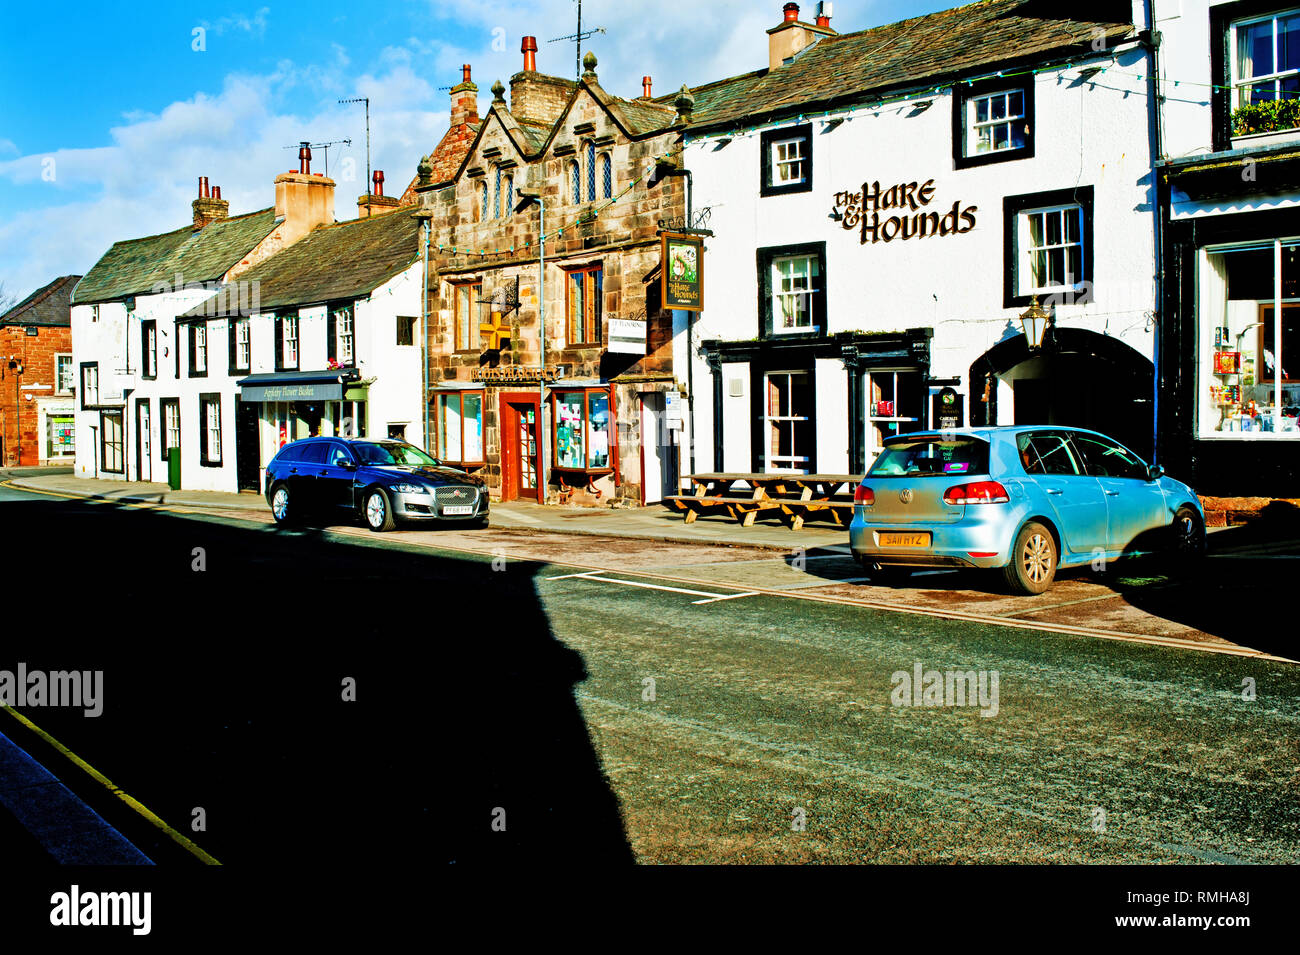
x: 682, y: 265
x: 947, y: 410
x: 900, y: 212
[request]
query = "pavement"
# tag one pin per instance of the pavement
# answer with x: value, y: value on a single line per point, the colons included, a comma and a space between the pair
x: 650, y: 523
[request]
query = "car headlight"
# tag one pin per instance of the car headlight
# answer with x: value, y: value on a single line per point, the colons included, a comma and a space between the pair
x: 410, y: 489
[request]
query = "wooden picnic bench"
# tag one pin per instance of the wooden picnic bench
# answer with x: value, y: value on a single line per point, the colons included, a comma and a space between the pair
x: 795, y: 496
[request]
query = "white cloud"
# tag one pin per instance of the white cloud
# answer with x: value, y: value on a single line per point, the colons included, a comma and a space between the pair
x: 254, y: 25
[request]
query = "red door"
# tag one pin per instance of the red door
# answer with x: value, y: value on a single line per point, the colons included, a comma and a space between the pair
x: 519, y: 444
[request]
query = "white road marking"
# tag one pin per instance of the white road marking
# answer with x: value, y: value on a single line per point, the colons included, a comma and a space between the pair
x: 748, y: 593
x: 676, y: 590
x: 588, y: 573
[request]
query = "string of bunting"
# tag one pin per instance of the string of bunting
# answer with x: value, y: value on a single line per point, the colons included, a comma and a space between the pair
x: 585, y: 217
x: 743, y: 130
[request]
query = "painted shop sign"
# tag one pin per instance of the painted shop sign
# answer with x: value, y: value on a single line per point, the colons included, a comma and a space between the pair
x: 901, y: 212
x: 682, y: 265
x: 518, y: 374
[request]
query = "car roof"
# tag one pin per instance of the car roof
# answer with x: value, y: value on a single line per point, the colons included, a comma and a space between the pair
x: 987, y: 433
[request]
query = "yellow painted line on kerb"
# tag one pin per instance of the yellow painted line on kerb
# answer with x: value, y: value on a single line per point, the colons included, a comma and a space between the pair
x: 140, y: 808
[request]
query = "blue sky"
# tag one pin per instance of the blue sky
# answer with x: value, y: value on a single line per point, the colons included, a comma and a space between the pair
x: 105, y: 132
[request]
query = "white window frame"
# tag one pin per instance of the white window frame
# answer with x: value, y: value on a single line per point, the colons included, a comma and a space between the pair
x: 200, y: 347
x: 149, y: 350
x: 60, y: 388
x: 1028, y: 283
x: 345, y: 327
x: 289, y: 331
x: 1211, y: 313
x: 809, y: 294
x: 90, y: 385
x: 873, y: 421
x: 974, y: 126
x: 172, y: 423
x: 1238, y: 82
x: 212, y: 425
x: 780, y: 166
x: 773, y: 464
x: 243, y: 343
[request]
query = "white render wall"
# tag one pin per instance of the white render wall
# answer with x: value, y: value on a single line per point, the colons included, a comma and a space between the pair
x: 1088, y: 133
x: 394, y: 395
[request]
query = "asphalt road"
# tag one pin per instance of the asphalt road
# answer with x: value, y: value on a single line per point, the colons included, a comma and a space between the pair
x: 504, y: 712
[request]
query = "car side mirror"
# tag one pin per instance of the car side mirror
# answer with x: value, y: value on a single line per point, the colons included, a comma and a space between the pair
x: 348, y: 465
x: 1155, y: 472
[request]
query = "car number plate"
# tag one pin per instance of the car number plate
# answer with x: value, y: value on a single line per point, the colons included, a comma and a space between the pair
x: 904, y: 540
x: 458, y: 509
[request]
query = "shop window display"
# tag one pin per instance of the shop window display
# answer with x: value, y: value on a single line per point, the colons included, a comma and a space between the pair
x: 582, y: 431
x: 1249, y: 342
x: 460, y: 428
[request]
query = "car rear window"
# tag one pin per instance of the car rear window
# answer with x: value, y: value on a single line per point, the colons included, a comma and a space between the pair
x: 961, y: 455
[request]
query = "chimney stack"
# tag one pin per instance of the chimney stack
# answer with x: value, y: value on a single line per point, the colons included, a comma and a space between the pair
x: 536, y: 97
x: 464, y: 100
x: 376, y: 204
x: 209, y: 206
x: 304, y: 200
x: 792, y: 35
x: 645, y: 87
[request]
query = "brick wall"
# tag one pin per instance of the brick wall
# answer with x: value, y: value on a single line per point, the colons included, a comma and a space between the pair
x: 20, y: 419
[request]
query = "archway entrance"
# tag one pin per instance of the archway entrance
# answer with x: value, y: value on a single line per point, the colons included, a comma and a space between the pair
x: 1078, y: 379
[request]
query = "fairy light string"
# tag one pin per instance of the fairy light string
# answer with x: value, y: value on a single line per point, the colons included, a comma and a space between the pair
x: 1086, y: 74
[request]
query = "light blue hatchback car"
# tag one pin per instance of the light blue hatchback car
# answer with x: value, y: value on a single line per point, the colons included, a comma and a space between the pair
x: 1027, y: 500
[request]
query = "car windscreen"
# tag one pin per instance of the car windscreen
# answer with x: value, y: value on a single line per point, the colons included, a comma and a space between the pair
x: 921, y: 456
x: 403, y: 455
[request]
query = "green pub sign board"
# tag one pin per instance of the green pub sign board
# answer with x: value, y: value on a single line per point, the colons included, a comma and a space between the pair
x: 682, y: 265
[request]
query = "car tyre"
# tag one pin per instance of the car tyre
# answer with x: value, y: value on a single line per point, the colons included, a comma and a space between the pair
x: 1033, y: 561
x: 378, y: 511
x: 1189, y: 539
x: 282, y: 508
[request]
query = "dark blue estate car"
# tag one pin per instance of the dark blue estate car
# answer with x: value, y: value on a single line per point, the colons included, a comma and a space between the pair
x: 382, y: 481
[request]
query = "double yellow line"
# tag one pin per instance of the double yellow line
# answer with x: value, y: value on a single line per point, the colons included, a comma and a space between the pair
x: 140, y: 808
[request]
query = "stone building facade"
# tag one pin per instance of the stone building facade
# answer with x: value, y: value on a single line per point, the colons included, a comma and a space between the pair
x: 586, y: 154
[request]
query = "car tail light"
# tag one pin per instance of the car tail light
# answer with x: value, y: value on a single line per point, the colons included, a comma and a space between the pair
x: 864, y: 495
x: 978, y: 492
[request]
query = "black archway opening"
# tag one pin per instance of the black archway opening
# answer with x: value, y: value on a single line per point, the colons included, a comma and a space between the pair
x: 1078, y: 379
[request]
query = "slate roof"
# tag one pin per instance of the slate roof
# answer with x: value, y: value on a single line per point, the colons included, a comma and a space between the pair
x: 46, y: 306
x: 934, y: 48
x: 135, y: 266
x: 346, y: 260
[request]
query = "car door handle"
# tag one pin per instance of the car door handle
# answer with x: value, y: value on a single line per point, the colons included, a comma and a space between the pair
x: 1112, y: 493
x: 1053, y: 490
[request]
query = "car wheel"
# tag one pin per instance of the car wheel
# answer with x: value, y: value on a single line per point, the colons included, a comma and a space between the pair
x: 1189, y: 542
x: 1033, y: 560
x: 281, y: 508
x: 379, y: 512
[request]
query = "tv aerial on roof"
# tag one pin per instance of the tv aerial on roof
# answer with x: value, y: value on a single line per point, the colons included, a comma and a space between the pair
x: 578, y: 38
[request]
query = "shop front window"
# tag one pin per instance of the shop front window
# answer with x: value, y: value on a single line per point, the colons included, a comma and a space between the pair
x: 894, y: 406
x: 1249, y: 342
x: 583, y: 431
x: 459, y: 418
x: 60, y: 436
x: 789, y: 422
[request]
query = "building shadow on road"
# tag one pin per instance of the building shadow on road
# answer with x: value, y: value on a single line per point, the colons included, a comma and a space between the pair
x: 227, y: 649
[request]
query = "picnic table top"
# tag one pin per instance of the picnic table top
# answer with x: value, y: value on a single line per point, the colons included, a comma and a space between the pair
x: 770, y: 478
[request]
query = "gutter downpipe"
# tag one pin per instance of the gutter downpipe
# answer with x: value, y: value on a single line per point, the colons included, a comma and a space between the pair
x: 1155, y: 98
x: 424, y: 341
